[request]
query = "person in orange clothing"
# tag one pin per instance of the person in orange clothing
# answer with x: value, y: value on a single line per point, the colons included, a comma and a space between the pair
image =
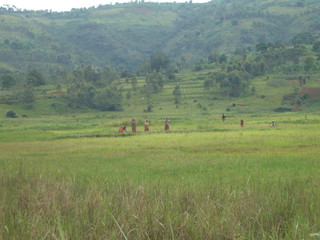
x: 166, y: 125
x: 122, y: 129
x: 146, y: 126
x: 133, y: 125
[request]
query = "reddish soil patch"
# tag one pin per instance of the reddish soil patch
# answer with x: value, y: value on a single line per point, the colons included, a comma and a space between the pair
x: 146, y: 11
x: 310, y: 92
x: 288, y: 97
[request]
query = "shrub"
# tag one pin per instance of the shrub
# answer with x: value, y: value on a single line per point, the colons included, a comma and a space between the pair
x: 149, y: 108
x: 11, y: 114
x: 282, y: 109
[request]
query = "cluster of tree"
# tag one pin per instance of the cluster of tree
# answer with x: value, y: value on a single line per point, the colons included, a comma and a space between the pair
x: 233, y: 74
x: 157, y: 71
x: 158, y: 62
x: 34, y: 78
x: 231, y: 84
x: 301, y: 53
x: 95, y: 88
x: 98, y: 88
x: 7, y: 81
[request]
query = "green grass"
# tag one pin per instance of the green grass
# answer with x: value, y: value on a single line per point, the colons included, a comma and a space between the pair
x: 222, y: 182
x: 67, y: 173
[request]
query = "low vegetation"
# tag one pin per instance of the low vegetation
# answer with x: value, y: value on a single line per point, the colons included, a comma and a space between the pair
x: 217, y: 182
x: 67, y: 173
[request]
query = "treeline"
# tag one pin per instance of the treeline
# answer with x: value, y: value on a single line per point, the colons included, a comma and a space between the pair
x: 234, y: 73
x: 229, y: 75
x: 126, y: 34
x: 90, y: 86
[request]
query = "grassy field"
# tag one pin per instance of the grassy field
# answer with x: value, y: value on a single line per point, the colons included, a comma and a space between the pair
x: 67, y: 173
x: 205, y: 179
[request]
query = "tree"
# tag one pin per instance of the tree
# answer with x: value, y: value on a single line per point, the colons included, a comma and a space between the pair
x: 8, y: 81
x: 303, y: 38
x: 134, y: 82
x: 309, y: 64
x: 28, y: 96
x: 108, y: 99
x: 86, y: 74
x: 293, y: 54
x: 158, y: 61
x: 208, y: 83
x: 223, y: 58
x: 108, y: 76
x: 177, y: 94
x: 248, y: 67
x: 262, y: 47
x: 316, y: 46
x: 90, y: 74
x: 213, y: 57
x: 235, y: 84
x: 84, y: 84
x: 154, y: 82
x: 182, y: 63
x: 81, y: 94
x: 148, y: 89
x: 35, y: 78
x: 220, y: 77
x: 128, y: 95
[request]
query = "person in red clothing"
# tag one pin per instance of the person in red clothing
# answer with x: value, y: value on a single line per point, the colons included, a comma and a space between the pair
x: 133, y: 125
x: 166, y: 125
x: 241, y: 123
x: 146, y: 126
x: 122, y: 129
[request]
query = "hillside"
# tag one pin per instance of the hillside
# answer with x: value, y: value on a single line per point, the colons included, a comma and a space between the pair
x: 238, y: 57
x: 273, y: 93
x: 123, y: 35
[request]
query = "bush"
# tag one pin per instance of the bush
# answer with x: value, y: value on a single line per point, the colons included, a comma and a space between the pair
x: 282, y: 109
x: 11, y: 114
x: 149, y: 107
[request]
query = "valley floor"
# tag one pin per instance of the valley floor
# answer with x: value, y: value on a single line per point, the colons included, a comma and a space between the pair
x: 69, y: 179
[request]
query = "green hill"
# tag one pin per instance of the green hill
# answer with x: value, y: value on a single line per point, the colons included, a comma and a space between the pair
x: 123, y: 35
x: 171, y: 59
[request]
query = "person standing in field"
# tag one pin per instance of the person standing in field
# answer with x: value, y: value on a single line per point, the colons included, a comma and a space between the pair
x: 166, y: 125
x: 146, y: 126
x: 223, y: 118
x: 133, y: 125
x: 241, y: 123
x: 273, y: 124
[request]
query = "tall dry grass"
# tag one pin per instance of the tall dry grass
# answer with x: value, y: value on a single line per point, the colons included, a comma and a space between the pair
x: 38, y: 207
x: 248, y: 184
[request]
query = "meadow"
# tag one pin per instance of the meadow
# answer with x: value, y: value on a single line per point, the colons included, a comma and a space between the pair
x: 61, y: 178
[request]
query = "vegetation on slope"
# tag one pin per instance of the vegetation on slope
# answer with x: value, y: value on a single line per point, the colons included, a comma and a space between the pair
x: 123, y: 35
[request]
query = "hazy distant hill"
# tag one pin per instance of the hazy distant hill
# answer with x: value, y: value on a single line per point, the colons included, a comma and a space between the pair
x: 123, y: 35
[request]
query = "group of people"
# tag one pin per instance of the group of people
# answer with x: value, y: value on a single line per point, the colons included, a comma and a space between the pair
x: 272, y: 124
x: 223, y: 118
x: 123, y: 129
